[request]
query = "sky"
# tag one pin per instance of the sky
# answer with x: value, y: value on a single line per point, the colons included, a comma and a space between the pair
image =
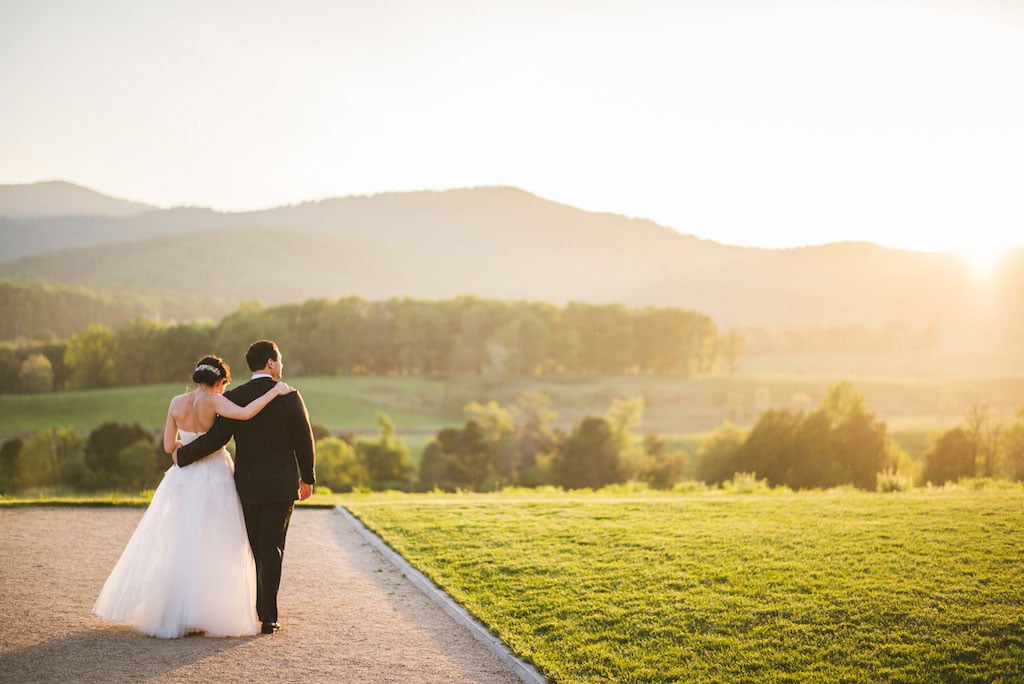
x: 754, y: 122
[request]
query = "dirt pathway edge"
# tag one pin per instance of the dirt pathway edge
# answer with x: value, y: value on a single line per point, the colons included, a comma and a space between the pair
x: 526, y: 672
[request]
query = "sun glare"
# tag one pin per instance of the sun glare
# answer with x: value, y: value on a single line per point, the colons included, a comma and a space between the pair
x: 983, y: 258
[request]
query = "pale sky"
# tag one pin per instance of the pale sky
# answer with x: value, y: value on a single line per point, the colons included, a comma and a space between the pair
x: 757, y: 122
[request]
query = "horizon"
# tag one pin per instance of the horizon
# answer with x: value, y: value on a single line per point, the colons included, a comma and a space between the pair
x: 753, y: 124
x: 982, y: 261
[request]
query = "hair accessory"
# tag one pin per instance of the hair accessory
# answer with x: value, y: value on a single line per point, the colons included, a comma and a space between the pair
x: 212, y: 369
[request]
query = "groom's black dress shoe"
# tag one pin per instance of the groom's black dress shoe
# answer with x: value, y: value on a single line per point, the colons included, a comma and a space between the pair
x: 270, y: 627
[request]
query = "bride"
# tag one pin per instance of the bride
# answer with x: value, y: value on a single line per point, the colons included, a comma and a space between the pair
x: 188, y: 567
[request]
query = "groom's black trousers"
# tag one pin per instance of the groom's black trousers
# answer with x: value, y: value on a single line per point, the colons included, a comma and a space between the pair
x: 267, y: 525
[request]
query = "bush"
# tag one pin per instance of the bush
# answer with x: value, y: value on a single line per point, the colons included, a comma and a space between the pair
x: 890, y: 480
x: 631, y: 487
x: 386, y: 458
x: 338, y: 466
x: 689, y: 487
x: 746, y: 483
x: 35, y: 374
x: 52, y: 458
x: 9, y: 462
x: 139, y: 466
x: 103, y: 456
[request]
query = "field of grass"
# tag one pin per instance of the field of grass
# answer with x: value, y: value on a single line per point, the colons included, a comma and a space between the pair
x: 818, y: 586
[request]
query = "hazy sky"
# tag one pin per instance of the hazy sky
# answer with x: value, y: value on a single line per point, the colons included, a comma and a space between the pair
x: 748, y: 122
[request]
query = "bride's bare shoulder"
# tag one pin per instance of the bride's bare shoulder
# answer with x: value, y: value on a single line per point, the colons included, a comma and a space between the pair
x: 180, y: 399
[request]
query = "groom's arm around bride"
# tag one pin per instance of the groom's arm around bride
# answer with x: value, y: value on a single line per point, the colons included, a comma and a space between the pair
x: 274, y: 447
x: 266, y: 445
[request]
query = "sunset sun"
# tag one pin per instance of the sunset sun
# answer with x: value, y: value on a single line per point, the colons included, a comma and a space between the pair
x: 983, y: 258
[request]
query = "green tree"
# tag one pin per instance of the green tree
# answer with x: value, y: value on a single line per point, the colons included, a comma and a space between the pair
x: 1011, y: 442
x: 770, y: 450
x: 9, y: 454
x: 36, y: 374
x: 238, y: 330
x: 90, y: 357
x: 174, y: 352
x: 606, y: 336
x: 846, y: 441
x: 718, y: 454
x: 440, y: 465
x: 135, y: 347
x: 950, y: 458
x: 664, y: 468
x: 983, y: 433
x: 533, y: 442
x: 140, y: 465
x: 731, y: 349
x: 10, y: 366
x: 54, y: 353
x: 52, y: 458
x: 589, y: 456
x: 103, y: 457
x: 386, y: 458
x: 338, y: 465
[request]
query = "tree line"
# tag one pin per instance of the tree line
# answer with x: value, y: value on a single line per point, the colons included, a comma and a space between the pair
x: 352, y: 336
x: 55, y: 311
x: 839, y: 443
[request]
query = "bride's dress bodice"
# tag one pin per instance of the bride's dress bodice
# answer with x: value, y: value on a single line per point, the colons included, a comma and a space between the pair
x: 189, y: 437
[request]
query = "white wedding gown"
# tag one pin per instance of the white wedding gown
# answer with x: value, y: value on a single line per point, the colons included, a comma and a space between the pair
x: 188, y: 566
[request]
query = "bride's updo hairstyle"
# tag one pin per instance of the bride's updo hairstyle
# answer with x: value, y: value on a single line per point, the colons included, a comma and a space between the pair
x: 210, y: 370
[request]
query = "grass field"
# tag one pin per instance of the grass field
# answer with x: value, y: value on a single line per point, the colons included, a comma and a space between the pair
x: 674, y: 406
x: 824, y: 587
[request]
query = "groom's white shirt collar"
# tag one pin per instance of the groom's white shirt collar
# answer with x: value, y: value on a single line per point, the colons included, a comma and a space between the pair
x: 261, y: 375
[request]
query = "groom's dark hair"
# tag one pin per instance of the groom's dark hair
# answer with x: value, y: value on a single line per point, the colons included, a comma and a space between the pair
x: 259, y: 353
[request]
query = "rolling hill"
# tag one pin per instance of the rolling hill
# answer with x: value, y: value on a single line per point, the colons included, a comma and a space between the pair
x: 494, y: 242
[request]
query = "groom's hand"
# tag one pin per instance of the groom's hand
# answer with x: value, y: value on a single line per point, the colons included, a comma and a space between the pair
x: 174, y: 455
x: 305, y: 490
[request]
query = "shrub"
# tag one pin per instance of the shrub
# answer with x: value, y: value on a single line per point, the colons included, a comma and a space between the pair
x: 338, y: 466
x: 890, y: 480
x: 631, y: 487
x: 689, y: 487
x: 746, y: 483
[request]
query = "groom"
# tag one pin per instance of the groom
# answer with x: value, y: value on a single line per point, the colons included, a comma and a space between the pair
x: 272, y: 449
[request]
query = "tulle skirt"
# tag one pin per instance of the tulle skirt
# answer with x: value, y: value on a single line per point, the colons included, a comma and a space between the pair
x: 188, y: 566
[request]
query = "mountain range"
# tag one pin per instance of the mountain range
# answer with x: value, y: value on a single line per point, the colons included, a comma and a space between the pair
x: 492, y: 242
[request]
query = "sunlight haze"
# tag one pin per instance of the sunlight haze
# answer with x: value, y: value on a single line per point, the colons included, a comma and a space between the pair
x: 772, y: 124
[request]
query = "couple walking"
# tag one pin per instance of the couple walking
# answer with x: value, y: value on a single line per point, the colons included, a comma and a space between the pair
x: 206, y: 556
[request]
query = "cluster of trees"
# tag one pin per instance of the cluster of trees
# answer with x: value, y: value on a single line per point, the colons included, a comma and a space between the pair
x: 398, y: 336
x: 130, y: 458
x: 346, y: 463
x: 983, y: 447
x: 43, y: 311
x: 501, y: 446
x: 839, y: 443
x: 112, y: 457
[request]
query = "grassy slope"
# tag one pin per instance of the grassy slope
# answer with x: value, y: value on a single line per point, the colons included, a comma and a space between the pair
x: 807, y: 587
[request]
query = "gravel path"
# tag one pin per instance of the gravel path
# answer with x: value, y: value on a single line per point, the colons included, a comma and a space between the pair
x: 348, y: 615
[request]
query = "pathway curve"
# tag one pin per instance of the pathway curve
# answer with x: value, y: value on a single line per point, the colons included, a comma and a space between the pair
x: 348, y: 615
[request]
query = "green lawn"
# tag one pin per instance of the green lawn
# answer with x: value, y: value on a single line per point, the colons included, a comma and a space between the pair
x: 824, y: 587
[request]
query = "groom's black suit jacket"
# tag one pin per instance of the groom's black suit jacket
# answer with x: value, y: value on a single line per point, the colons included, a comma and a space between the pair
x: 271, y: 449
